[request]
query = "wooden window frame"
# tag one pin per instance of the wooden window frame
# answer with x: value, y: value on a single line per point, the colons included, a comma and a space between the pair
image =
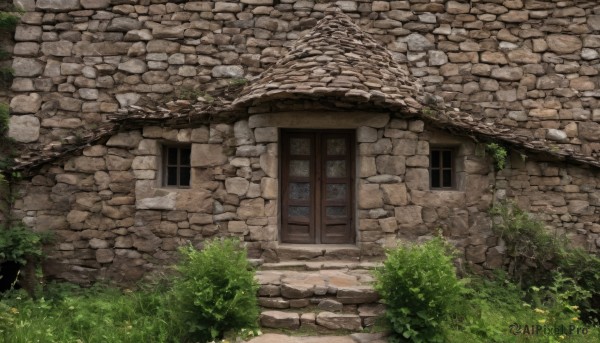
x: 318, y: 158
x: 165, y: 165
x: 440, y: 169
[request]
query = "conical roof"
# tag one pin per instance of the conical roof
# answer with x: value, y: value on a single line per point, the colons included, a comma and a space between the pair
x: 336, y: 59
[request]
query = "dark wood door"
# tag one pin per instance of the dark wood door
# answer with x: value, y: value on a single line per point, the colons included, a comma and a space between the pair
x: 317, y: 186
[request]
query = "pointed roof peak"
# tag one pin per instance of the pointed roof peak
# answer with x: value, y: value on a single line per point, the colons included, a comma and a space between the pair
x: 336, y: 58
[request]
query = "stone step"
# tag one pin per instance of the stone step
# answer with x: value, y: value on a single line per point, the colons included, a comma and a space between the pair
x: 324, y: 321
x: 325, y: 299
x: 318, y: 265
x: 318, y: 252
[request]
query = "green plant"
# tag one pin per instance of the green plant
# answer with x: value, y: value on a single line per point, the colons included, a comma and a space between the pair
x: 8, y: 21
x: 17, y: 243
x: 498, y: 153
x: 215, y: 291
x: 4, y: 118
x: 584, y: 269
x: 419, y: 286
x: 528, y: 242
x: 238, y: 81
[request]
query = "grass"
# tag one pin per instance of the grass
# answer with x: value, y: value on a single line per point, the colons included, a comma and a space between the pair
x: 68, y: 314
x: 71, y: 314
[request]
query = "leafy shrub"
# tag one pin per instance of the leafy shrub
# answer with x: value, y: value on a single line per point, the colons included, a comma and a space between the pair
x: 419, y: 286
x: 498, y: 153
x: 4, y: 117
x: 528, y: 242
x: 17, y: 243
x: 216, y: 291
x: 584, y: 269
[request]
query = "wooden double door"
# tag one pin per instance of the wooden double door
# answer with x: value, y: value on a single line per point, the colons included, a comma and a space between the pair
x: 317, y: 186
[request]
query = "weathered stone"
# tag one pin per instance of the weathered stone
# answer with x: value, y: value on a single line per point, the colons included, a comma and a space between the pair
x: 27, y: 67
x: 125, y: 140
x: 229, y: 71
x: 124, y: 24
x: 357, y: 295
x: 365, y: 134
x: 61, y: 48
x: 393, y: 165
x: 370, y: 196
x: 269, y: 188
x: 95, y: 4
x: 206, y: 155
x: 24, y: 128
x: 57, y: 5
x: 134, y: 66
x: 237, y: 185
x: 507, y: 73
x: 25, y: 33
x: 564, y: 44
x: 418, y: 42
x: 280, y: 320
x: 395, y: 194
x: 335, y: 321
x: 409, y: 215
x: 166, y: 202
x: 25, y: 103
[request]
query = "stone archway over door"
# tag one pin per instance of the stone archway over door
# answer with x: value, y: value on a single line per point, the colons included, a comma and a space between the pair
x: 317, y: 185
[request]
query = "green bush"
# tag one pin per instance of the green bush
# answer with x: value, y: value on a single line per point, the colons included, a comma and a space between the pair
x: 215, y: 292
x: 419, y: 287
x: 17, y: 243
x: 528, y: 242
x: 584, y: 269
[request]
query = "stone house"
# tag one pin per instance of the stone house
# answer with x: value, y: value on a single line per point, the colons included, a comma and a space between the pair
x: 325, y: 130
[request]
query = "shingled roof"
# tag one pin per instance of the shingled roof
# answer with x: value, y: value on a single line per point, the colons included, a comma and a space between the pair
x: 336, y: 58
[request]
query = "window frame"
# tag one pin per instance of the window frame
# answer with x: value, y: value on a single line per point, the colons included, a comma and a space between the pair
x: 440, y: 169
x: 165, y: 165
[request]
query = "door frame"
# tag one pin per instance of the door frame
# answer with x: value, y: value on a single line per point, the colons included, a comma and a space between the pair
x: 319, y: 180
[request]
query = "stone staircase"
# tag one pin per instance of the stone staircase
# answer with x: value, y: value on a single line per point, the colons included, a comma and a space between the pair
x: 322, y: 288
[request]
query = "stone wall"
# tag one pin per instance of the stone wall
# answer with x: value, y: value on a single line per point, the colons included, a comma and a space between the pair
x: 114, y: 220
x: 527, y: 63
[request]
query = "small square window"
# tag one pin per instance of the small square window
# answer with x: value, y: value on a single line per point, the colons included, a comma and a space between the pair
x: 442, y: 168
x: 176, y: 166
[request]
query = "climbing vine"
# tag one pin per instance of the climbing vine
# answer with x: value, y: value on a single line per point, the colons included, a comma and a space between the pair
x: 498, y: 153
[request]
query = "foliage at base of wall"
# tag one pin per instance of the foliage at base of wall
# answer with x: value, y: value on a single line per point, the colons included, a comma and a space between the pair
x: 213, y: 296
x: 533, y: 251
x: 427, y: 303
x: 215, y: 291
x: 419, y: 287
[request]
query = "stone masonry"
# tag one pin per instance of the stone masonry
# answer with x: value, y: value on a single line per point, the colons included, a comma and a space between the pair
x: 529, y: 64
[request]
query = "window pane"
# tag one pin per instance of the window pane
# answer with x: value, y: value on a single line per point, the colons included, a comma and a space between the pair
x: 299, y: 191
x: 335, y: 211
x: 447, y: 175
x: 435, y: 178
x: 336, y: 168
x: 300, y: 168
x: 298, y: 211
x: 184, y: 176
x: 172, y: 176
x: 336, y: 191
x: 172, y: 156
x: 435, y: 158
x: 300, y: 146
x: 185, y: 156
x: 336, y: 146
x: 447, y: 159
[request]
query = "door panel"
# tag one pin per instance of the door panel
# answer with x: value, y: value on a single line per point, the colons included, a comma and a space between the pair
x: 336, y: 183
x: 317, y: 186
x: 298, y: 186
